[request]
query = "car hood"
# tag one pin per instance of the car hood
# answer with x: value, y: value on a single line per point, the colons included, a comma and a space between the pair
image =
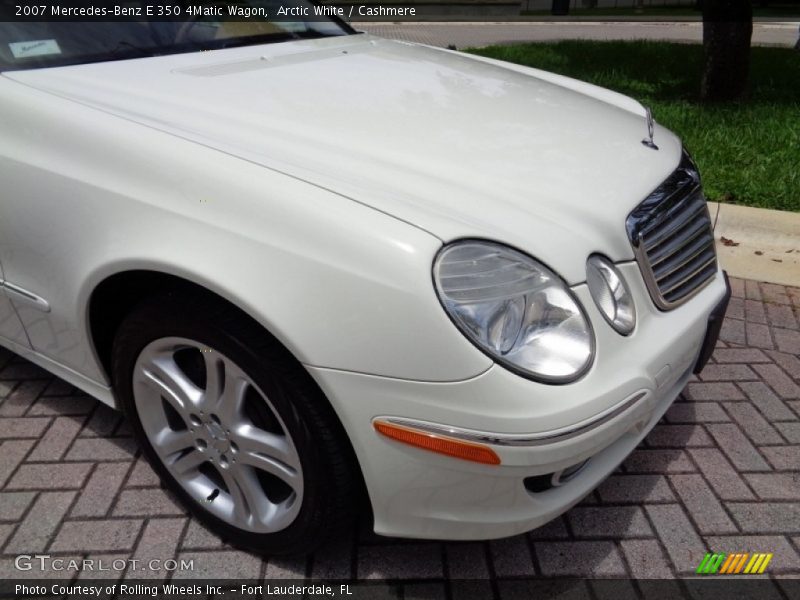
x: 457, y: 145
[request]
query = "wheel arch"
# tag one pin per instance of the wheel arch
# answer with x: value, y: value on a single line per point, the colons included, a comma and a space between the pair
x: 115, y: 296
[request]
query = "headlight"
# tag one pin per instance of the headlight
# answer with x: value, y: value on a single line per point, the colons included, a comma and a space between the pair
x: 611, y: 294
x: 515, y: 309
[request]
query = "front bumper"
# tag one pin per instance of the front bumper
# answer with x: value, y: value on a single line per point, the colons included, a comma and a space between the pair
x: 425, y: 495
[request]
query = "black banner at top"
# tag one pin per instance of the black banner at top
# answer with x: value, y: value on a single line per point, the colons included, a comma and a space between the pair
x: 206, y: 10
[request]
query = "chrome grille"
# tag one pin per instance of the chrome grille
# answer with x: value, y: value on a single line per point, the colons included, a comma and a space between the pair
x: 672, y: 238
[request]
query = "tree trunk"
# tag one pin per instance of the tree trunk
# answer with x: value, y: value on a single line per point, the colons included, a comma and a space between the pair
x: 727, y: 29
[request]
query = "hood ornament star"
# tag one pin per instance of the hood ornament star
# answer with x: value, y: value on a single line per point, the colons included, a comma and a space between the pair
x: 651, y: 126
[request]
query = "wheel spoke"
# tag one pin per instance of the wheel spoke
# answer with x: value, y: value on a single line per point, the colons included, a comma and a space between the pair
x: 168, y: 442
x: 268, y: 452
x: 215, y: 379
x: 166, y: 377
x: 246, y: 493
x: 231, y: 400
x: 189, y: 462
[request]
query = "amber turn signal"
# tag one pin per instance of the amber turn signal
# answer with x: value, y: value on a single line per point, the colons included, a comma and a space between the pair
x: 438, y: 443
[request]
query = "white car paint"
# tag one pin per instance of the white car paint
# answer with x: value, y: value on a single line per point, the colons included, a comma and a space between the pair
x: 312, y: 183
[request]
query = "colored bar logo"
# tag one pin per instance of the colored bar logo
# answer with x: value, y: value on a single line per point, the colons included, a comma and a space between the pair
x: 740, y: 563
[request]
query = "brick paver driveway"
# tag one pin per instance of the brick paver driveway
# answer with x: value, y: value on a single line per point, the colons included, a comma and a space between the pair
x: 721, y: 472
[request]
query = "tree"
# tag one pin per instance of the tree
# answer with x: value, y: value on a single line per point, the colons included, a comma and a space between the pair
x: 727, y: 30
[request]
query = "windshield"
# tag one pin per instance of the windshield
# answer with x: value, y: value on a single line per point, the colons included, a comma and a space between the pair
x: 38, y: 43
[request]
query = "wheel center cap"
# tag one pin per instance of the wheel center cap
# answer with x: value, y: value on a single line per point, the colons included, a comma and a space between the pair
x: 216, y: 431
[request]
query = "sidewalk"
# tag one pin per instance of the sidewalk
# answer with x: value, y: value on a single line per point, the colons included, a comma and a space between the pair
x: 720, y: 473
x: 478, y: 34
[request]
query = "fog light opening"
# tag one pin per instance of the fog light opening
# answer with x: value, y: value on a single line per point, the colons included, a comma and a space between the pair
x: 542, y: 483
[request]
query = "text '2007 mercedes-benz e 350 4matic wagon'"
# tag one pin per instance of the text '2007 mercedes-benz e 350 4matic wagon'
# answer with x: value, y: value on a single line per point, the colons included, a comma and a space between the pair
x: 314, y: 266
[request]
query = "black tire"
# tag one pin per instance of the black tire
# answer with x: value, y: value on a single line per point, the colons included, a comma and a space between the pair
x: 330, y: 473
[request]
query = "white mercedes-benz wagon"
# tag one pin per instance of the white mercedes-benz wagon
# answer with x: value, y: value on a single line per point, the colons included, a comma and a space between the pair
x: 324, y: 272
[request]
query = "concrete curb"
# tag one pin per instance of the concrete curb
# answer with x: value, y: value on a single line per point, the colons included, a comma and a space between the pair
x: 761, y: 244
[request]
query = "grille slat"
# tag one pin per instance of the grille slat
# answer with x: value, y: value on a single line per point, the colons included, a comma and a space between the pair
x: 673, y: 239
x: 662, y: 253
x: 672, y: 227
x: 680, y: 259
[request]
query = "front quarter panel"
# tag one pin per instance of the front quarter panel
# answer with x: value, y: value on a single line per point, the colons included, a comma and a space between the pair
x: 87, y: 195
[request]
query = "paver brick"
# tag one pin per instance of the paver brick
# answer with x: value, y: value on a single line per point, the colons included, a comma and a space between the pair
x: 159, y: 542
x: 57, y: 438
x: 635, y: 489
x: 14, y: 504
x: 737, y: 447
x: 102, y: 449
x: 22, y: 427
x: 286, y: 568
x: 467, y: 561
x: 708, y: 514
x: 403, y: 561
x: 713, y: 391
x: 696, y: 412
x: 62, y: 406
x: 678, y: 436
x: 658, y: 461
x: 758, y: 335
x: 511, y: 557
x: 740, y: 355
x: 790, y: 431
x: 735, y: 308
x: 198, y: 537
x: 646, y: 559
x: 730, y: 372
x: 733, y: 331
x: 100, y: 491
x: 752, y: 290
x: 103, y: 422
x: 580, y: 559
x: 681, y: 541
x: 727, y: 483
x: 766, y: 401
x: 142, y: 475
x: 783, y: 458
x: 144, y: 502
x: 775, y: 486
x: 778, y: 381
x: 788, y: 362
x: 787, y: 340
x: 552, y: 530
x: 50, y: 476
x: 755, y: 426
x: 609, y: 521
x: 98, y: 535
x: 766, y: 517
x: 35, y: 532
x: 781, y: 315
x: 12, y: 454
x: 19, y: 401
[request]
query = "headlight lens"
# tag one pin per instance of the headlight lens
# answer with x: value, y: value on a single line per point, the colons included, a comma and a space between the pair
x: 611, y: 294
x: 514, y: 309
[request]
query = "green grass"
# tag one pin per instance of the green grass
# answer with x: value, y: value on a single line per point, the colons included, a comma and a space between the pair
x: 748, y: 152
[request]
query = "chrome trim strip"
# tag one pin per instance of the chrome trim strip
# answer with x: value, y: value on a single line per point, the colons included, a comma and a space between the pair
x: 517, y: 439
x: 29, y: 298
